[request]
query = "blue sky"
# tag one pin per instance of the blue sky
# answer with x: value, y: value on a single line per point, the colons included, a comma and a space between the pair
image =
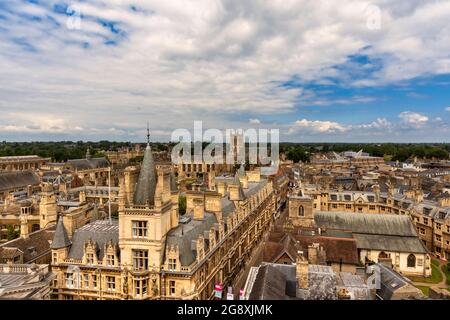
x: 347, y: 71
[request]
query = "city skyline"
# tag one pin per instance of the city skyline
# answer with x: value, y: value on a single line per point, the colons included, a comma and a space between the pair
x: 355, y: 71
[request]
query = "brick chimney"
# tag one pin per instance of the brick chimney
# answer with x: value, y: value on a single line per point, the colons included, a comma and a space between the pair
x: 199, y: 209
x: 302, y: 271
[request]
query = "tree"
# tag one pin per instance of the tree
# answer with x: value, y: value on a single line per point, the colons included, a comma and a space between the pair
x: 182, y: 204
x: 12, y: 233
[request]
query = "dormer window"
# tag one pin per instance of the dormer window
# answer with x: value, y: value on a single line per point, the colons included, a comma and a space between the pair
x: 110, y: 260
x: 90, y: 258
x: 139, y: 229
x: 172, y: 264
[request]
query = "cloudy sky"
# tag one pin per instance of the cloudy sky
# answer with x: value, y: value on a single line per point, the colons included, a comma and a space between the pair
x: 322, y: 70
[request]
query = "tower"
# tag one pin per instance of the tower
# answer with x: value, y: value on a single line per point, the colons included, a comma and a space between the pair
x: 60, y: 244
x: 145, y: 219
x: 47, y: 206
x: 301, y: 210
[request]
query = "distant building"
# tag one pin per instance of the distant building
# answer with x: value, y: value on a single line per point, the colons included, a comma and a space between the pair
x: 17, y: 184
x: 22, y: 163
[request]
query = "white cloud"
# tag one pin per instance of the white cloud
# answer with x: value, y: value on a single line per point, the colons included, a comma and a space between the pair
x: 212, y: 58
x: 447, y: 109
x: 255, y: 121
x: 320, y: 126
x: 413, y: 118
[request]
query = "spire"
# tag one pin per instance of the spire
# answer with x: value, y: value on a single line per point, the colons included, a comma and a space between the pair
x: 61, y: 239
x: 146, y: 185
x: 148, y: 134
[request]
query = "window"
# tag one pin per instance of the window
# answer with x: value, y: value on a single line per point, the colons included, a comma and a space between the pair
x: 111, y: 283
x: 140, y: 259
x: 172, y: 287
x: 347, y: 197
x: 86, y: 280
x: 55, y: 257
x: 94, y: 281
x: 334, y: 205
x: 438, y: 238
x: 110, y: 260
x: 140, y: 287
x: 371, y: 207
x: 438, y: 226
x: 371, y: 198
x: 425, y: 220
x: 90, y: 258
x: 69, y: 280
x: 301, y: 211
x: 172, y: 264
x: 411, y: 261
x: 422, y: 231
x: 139, y: 229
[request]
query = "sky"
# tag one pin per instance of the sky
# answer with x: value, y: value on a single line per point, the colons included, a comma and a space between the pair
x: 319, y: 71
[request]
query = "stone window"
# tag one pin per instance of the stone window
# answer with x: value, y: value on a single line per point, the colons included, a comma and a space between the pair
x: 140, y: 259
x: 111, y: 283
x: 110, y: 260
x: 86, y: 280
x: 69, y: 280
x: 140, y: 287
x: 411, y: 261
x: 94, y: 281
x: 139, y: 229
x: 301, y: 211
x: 172, y: 287
x: 90, y: 258
x: 172, y: 264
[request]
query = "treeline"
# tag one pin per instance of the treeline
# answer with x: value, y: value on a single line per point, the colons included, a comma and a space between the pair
x: 390, y: 151
x: 65, y: 150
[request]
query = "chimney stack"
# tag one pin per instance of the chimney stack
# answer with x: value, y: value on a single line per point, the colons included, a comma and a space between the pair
x: 302, y: 271
x: 199, y: 209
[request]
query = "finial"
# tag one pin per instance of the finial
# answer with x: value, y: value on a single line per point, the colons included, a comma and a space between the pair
x: 148, y: 134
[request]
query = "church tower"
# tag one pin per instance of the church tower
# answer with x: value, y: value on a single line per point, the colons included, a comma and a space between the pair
x: 301, y: 210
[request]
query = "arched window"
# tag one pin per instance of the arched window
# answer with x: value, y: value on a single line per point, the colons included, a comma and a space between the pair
x: 301, y: 211
x: 411, y: 261
x: 382, y: 255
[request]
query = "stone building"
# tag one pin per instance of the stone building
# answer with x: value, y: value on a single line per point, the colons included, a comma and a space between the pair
x: 152, y: 253
x: 17, y: 184
x: 22, y: 163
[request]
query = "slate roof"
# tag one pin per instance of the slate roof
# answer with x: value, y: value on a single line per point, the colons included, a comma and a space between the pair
x: 184, y: 235
x: 270, y: 284
x: 100, y: 232
x: 383, y: 224
x: 17, y: 179
x: 391, y: 281
x: 146, y: 185
x: 61, y: 239
x: 37, y: 243
x: 375, y: 231
x: 86, y: 164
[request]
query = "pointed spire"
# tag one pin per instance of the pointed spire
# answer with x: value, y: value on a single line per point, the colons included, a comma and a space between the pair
x: 148, y: 134
x: 146, y: 185
x: 61, y: 239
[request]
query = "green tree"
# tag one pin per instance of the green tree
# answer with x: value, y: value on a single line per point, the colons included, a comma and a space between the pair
x: 12, y: 233
x: 182, y: 204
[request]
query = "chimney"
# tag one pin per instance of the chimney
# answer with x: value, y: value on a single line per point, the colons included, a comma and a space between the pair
x: 221, y: 188
x: 302, y: 271
x: 199, y: 209
x: 24, y: 226
x: 312, y: 253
